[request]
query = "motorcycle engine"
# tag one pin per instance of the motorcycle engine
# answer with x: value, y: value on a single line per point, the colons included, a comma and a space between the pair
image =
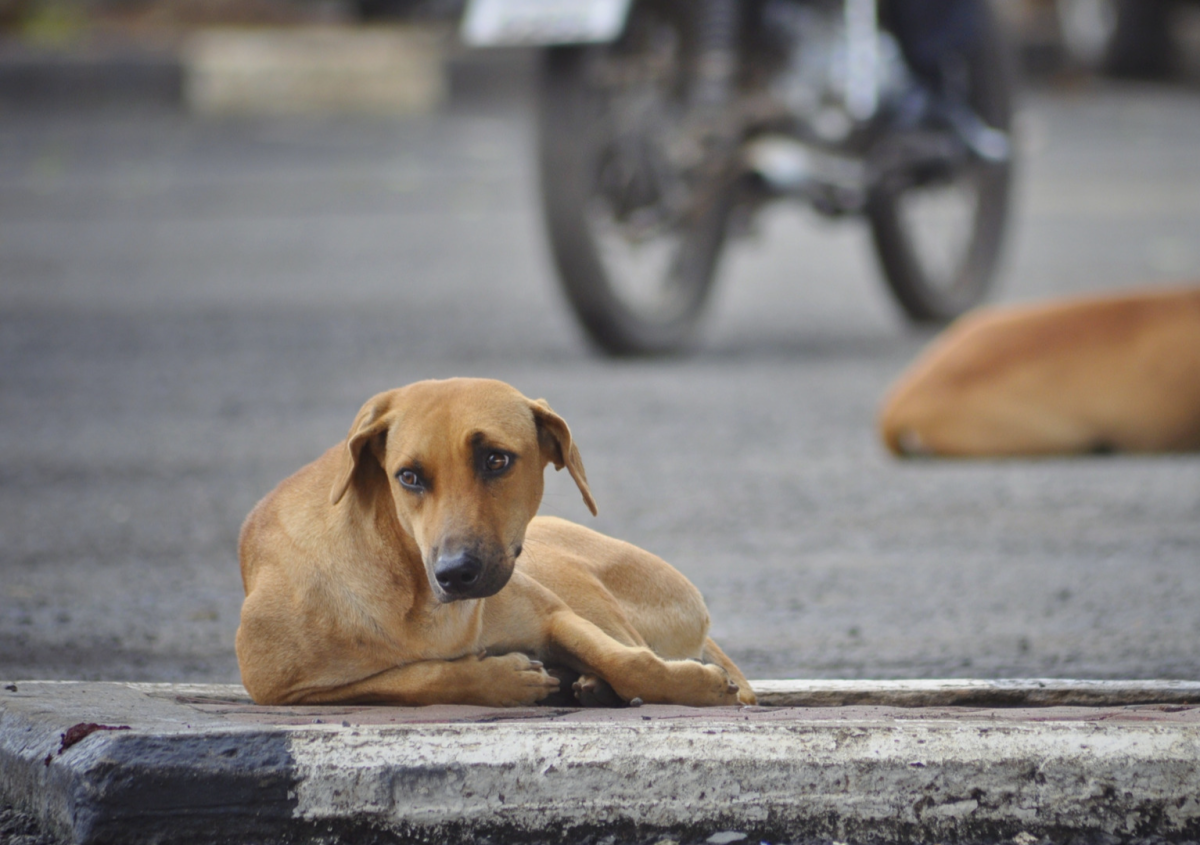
x: 813, y: 85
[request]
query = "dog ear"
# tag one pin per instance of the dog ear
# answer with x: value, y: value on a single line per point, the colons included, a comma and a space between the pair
x: 555, y: 437
x: 369, y: 422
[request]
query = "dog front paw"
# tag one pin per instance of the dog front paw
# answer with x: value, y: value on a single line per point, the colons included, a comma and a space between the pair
x: 704, y: 684
x: 687, y: 682
x: 515, y: 680
x: 746, y: 695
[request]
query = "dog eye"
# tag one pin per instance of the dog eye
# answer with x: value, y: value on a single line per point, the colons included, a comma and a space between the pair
x: 496, y: 462
x: 408, y: 478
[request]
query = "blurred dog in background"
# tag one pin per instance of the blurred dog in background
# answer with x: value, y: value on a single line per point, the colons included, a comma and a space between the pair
x: 1098, y: 374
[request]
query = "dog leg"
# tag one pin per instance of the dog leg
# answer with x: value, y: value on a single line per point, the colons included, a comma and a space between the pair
x: 509, y: 680
x: 526, y: 616
x: 635, y: 672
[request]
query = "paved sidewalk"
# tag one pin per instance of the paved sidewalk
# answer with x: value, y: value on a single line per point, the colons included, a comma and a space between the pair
x: 131, y: 763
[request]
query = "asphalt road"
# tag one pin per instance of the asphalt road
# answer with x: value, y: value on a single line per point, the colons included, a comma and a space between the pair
x: 190, y: 311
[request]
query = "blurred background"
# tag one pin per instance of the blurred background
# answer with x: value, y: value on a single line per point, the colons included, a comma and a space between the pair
x: 224, y: 225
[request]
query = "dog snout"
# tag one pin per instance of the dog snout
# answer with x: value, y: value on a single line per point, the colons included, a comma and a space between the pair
x: 458, y: 574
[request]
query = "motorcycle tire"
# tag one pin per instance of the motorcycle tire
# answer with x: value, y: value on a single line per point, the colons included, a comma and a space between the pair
x: 1143, y: 45
x: 923, y: 293
x: 575, y: 137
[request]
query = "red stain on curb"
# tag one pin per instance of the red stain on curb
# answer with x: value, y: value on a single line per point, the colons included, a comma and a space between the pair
x: 77, y: 732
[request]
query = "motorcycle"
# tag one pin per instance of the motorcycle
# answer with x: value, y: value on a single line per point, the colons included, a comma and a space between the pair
x: 665, y: 125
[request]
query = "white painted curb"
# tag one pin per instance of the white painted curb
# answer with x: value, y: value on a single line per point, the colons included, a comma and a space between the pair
x: 923, y: 779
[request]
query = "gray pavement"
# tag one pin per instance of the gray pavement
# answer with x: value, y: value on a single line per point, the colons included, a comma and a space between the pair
x: 190, y: 311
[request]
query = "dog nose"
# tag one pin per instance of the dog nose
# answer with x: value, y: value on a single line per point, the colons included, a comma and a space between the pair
x: 457, y: 573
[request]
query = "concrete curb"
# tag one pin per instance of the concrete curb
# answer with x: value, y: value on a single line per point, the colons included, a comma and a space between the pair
x: 310, y: 70
x: 1018, y: 692
x: 203, y: 764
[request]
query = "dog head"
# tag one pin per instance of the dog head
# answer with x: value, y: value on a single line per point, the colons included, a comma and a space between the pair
x: 462, y: 460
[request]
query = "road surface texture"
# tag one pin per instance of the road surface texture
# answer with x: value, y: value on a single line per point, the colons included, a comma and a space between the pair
x: 190, y: 311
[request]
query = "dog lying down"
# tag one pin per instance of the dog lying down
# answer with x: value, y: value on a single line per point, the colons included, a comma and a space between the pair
x: 406, y: 566
x: 1097, y: 374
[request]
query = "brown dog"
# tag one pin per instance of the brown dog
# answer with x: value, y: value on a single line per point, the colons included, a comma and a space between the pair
x: 1111, y: 373
x: 405, y: 566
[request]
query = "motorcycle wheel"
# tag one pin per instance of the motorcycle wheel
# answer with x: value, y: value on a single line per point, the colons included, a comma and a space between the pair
x: 1142, y: 45
x: 635, y: 221
x: 938, y: 243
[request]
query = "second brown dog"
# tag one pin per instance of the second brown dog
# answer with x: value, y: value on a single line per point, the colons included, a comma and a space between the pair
x: 1093, y: 374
